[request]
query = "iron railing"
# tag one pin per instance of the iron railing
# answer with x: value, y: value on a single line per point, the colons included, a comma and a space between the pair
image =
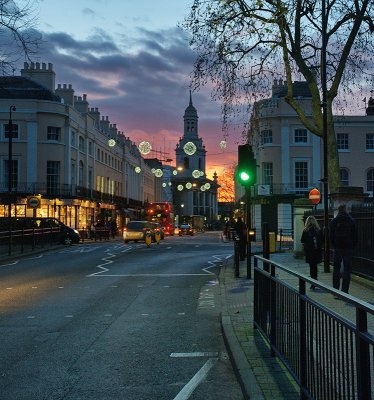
x: 329, y: 356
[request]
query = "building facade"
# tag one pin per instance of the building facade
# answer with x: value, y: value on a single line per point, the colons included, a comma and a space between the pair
x: 79, y: 164
x: 290, y: 158
x: 193, y: 192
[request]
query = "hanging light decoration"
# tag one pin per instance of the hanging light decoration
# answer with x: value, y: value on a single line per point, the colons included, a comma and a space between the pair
x: 145, y: 147
x: 201, y: 173
x: 138, y: 170
x: 207, y: 186
x: 189, y: 148
x: 169, y: 183
x: 202, y: 188
x: 175, y: 172
x: 180, y: 187
x: 188, y: 185
x: 222, y: 144
x: 163, y: 184
x: 196, y: 173
x: 158, y: 172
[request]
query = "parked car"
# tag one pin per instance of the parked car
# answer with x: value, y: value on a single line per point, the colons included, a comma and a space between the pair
x: 158, y: 228
x: 42, y: 229
x: 136, y: 230
x: 185, y: 229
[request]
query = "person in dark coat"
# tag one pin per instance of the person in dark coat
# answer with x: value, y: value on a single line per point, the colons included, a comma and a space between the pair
x: 312, y: 240
x: 241, y: 230
x: 343, y: 236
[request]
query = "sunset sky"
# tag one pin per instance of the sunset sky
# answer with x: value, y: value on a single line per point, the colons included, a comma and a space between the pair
x: 134, y: 64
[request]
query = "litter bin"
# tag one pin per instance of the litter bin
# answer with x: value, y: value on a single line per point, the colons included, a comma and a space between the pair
x: 271, y: 242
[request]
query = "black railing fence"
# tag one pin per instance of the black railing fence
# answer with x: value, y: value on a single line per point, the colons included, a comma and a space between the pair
x: 329, y: 356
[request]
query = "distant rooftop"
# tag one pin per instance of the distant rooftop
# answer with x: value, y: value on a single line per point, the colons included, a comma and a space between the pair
x: 18, y: 87
x: 300, y: 89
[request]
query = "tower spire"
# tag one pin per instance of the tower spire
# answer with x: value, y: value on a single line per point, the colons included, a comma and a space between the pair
x: 190, y: 98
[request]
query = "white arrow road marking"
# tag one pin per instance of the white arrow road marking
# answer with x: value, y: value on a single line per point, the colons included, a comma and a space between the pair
x: 201, y: 374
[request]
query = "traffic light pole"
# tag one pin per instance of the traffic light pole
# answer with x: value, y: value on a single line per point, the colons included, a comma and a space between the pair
x: 248, y: 223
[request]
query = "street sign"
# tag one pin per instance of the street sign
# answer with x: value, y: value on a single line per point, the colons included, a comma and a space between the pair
x: 315, y: 196
x: 33, y: 201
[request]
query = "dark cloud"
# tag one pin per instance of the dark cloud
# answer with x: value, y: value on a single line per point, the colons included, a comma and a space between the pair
x: 141, y: 83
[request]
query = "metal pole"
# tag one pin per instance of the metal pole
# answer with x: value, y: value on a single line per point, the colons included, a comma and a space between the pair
x: 10, y: 173
x: 248, y: 223
x: 325, y: 180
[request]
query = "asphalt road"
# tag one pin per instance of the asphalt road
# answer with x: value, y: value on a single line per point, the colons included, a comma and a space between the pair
x: 116, y: 321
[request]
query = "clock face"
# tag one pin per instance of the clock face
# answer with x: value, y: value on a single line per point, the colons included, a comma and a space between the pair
x: 111, y: 142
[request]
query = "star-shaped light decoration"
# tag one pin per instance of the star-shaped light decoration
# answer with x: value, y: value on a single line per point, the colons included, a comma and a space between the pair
x: 138, y: 170
x: 222, y: 144
x: 180, y: 187
x: 188, y: 185
x: 145, y: 147
x: 196, y: 173
x: 158, y: 173
x: 189, y: 148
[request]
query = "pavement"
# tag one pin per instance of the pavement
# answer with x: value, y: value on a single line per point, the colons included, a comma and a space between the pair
x: 261, y: 375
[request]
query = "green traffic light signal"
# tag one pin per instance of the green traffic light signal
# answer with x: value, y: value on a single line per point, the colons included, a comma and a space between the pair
x: 246, y: 165
x: 244, y: 177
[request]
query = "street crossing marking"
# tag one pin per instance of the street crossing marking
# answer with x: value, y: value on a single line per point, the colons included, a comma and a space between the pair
x: 200, y: 375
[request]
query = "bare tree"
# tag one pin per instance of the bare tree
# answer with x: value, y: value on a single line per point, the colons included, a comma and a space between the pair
x: 242, y: 45
x: 18, y: 38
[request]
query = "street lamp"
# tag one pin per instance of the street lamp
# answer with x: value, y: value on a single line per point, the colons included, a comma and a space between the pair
x: 10, y: 173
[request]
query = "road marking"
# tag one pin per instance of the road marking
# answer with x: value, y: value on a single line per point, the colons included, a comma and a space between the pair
x: 31, y: 317
x: 60, y: 287
x: 68, y: 316
x: 146, y: 275
x: 181, y: 313
x: 188, y: 389
x: 107, y: 315
x: 13, y: 263
x: 101, y: 266
x: 196, y: 354
x: 145, y: 315
x: 9, y: 288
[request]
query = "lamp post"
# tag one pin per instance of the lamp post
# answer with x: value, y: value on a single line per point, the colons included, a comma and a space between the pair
x: 325, y: 179
x: 10, y: 173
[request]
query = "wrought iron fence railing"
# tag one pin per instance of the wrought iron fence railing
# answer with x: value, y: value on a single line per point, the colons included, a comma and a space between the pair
x: 329, y: 356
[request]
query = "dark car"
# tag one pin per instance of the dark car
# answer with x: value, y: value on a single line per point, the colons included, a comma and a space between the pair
x: 136, y: 230
x: 39, y: 228
x: 186, y: 229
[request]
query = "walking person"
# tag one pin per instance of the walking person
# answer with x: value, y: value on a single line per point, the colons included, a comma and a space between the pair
x: 343, y: 236
x: 312, y: 240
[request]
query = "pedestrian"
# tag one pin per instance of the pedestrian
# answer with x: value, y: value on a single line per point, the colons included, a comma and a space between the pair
x: 343, y: 236
x: 113, y: 227
x: 312, y: 240
x: 241, y: 230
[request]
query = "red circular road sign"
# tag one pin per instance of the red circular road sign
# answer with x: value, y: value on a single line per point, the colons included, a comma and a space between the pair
x: 315, y: 196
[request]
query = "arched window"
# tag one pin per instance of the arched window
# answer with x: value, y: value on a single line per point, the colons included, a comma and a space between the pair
x: 370, y: 180
x: 344, y: 176
x: 186, y: 163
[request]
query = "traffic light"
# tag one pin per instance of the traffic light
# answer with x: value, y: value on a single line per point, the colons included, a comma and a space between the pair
x: 246, y: 165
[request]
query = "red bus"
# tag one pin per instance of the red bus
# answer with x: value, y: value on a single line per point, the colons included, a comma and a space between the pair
x: 161, y: 212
